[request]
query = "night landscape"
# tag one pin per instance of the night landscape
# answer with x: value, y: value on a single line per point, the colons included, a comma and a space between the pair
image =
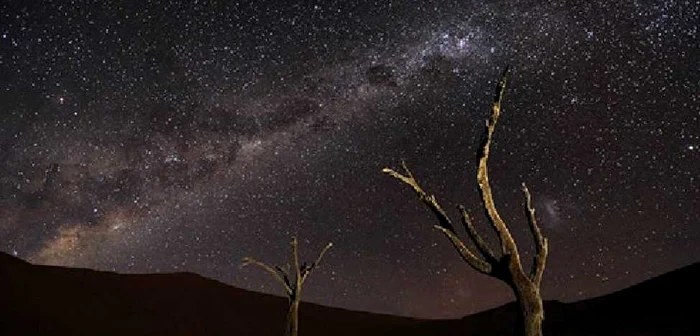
x: 417, y: 167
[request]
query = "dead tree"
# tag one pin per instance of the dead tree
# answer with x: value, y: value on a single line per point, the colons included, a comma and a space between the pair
x: 507, y: 267
x: 292, y: 283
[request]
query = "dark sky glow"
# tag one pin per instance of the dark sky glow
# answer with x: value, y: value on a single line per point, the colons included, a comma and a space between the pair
x: 162, y: 136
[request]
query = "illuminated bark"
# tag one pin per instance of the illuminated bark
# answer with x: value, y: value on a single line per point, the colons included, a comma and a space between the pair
x: 508, y: 266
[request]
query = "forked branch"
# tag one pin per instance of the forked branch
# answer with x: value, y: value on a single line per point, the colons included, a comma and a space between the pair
x: 276, y: 271
x: 508, y: 266
x: 292, y: 288
x: 292, y: 284
x: 445, y: 225
x: 306, y: 270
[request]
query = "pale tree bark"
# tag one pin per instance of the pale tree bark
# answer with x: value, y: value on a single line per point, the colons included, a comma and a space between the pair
x: 291, y: 282
x: 507, y: 265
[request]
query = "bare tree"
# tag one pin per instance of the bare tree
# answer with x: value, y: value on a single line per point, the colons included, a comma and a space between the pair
x: 292, y: 282
x: 507, y: 267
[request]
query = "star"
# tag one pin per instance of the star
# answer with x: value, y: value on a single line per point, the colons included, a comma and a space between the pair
x: 187, y: 135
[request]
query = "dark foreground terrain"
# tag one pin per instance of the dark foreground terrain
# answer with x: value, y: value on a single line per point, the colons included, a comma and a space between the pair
x: 45, y: 300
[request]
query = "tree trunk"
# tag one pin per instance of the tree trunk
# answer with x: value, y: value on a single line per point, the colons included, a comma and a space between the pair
x: 293, y: 319
x: 508, y: 267
x: 531, y: 309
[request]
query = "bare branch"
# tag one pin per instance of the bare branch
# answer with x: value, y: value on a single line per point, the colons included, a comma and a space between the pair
x: 428, y: 200
x: 508, y: 245
x: 465, y: 253
x: 276, y: 272
x: 508, y: 266
x: 501, y: 87
x: 293, y: 290
x: 541, y: 248
x: 408, y: 172
x: 476, y: 238
x: 320, y: 255
x: 308, y: 269
x: 285, y: 275
x: 295, y: 259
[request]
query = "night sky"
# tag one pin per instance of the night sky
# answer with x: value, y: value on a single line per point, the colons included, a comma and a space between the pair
x: 168, y: 136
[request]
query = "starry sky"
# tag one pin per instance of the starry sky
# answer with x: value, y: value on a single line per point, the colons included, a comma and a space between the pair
x: 169, y: 136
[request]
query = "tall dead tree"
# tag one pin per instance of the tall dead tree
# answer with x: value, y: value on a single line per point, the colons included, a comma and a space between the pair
x: 292, y: 282
x: 506, y: 267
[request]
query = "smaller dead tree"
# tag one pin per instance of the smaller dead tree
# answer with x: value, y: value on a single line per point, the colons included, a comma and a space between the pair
x: 508, y: 266
x: 292, y: 282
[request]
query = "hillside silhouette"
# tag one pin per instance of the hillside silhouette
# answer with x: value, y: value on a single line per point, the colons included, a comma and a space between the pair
x: 49, y: 300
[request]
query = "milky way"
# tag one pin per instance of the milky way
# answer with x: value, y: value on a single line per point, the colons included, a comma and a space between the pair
x: 166, y: 136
